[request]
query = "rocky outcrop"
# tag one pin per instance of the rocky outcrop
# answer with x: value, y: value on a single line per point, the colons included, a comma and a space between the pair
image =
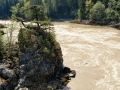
x: 34, y: 69
x: 117, y: 26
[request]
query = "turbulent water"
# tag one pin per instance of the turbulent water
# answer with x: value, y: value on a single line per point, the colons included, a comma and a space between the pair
x: 94, y: 52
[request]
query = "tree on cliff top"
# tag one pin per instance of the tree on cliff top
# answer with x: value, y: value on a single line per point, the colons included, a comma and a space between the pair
x: 27, y: 12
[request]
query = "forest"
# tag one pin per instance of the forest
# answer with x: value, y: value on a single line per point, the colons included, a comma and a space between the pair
x: 96, y: 10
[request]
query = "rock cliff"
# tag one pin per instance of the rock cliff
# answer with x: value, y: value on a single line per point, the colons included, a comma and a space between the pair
x: 35, y: 63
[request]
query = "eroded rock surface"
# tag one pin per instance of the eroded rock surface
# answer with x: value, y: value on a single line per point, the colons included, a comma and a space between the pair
x: 35, y: 68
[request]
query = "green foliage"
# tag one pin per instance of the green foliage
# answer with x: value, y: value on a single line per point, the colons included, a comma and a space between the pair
x: 1, y: 42
x: 88, y: 6
x: 97, y: 12
x: 111, y: 15
x: 52, y: 36
x: 58, y: 9
x: 112, y: 4
x: 78, y: 14
x: 32, y: 12
x: 40, y: 25
x: 46, y: 43
x: 40, y: 40
x: 24, y: 39
x: 21, y: 40
x: 28, y: 11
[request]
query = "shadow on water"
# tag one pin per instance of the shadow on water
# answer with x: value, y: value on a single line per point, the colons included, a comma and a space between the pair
x: 66, y: 88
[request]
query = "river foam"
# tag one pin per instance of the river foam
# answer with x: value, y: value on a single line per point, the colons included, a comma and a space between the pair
x: 93, y: 51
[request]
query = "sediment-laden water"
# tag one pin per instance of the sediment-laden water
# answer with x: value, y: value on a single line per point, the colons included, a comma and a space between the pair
x: 94, y: 52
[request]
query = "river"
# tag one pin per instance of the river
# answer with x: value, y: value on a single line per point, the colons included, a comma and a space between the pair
x: 94, y: 52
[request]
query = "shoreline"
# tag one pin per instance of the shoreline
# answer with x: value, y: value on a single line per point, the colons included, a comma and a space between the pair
x: 84, y: 22
x: 94, y: 23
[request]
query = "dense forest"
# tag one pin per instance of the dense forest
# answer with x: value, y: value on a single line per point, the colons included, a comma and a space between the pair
x: 98, y: 10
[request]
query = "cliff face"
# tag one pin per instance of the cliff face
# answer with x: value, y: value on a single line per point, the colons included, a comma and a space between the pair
x: 36, y: 64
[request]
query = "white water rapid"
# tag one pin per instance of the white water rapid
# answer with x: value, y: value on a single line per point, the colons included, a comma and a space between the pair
x: 94, y: 52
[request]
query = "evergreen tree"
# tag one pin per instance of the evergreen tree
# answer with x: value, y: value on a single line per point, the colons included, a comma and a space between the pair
x: 88, y: 6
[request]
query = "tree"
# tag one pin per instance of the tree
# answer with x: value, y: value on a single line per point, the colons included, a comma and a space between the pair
x: 97, y: 12
x: 111, y: 15
x: 111, y: 12
x: 88, y: 6
x: 34, y: 13
x: 40, y: 25
x: 112, y: 4
x: 81, y: 5
x: 118, y: 9
x: 78, y: 14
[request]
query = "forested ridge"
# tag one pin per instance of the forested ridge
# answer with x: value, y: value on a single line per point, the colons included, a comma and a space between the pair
x: 98, y: 10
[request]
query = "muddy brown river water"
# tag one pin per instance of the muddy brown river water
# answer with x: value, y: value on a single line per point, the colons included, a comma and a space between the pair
x: 93, y: 51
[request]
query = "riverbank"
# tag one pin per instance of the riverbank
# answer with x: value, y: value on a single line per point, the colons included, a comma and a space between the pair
x: 89, y: 22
